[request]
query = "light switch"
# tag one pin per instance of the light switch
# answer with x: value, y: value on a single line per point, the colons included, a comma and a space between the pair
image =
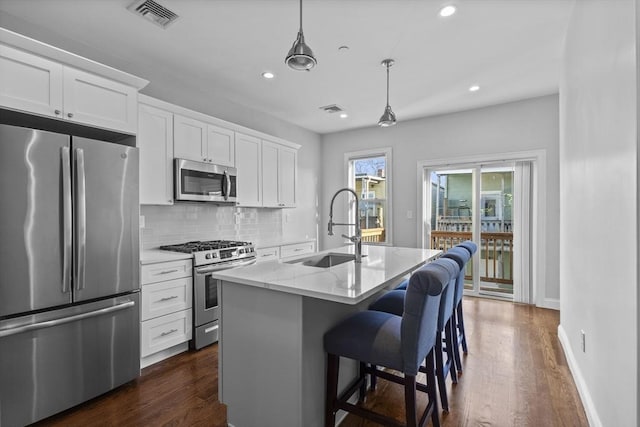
x: 409, y: 214
x: 141, y: 221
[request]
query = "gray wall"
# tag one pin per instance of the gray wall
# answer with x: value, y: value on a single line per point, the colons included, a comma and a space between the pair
x: 518, y: 126
x: 599, y: 172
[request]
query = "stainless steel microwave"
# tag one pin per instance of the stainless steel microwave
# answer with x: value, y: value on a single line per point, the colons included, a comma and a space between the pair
x: 204, y: 182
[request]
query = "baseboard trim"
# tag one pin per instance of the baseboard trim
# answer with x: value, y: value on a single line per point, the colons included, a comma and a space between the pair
x: 551, y: 303
x: 583, y: 391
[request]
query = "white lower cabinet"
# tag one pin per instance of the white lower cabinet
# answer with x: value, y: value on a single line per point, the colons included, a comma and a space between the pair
x: 268, y: 254
x: 284, y: 252
x: 166, y: 313
x: 297, y: 249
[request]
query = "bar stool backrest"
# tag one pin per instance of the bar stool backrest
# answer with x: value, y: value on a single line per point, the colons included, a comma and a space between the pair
x: 419, y: 320
x: 469, y: 246
x: 461, y: 256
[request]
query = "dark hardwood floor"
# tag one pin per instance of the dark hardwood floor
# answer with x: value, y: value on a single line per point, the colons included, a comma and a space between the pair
x: 515, y: 375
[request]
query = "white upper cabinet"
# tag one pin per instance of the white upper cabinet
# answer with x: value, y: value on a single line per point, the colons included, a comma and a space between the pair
x: 155, y: 141
x: 189, y: 139
x: 38, y: 85
x: 221, y: 145
x: 287, y: 176
x: 30, y: 83
x: 203, y: 142
x: 96, y: 101
x: 248, y: 157
x: 270, y: 174
x: 279, y: 170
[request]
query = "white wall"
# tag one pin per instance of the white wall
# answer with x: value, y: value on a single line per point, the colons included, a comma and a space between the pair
x: 598, y: 210
x: 518, y: 126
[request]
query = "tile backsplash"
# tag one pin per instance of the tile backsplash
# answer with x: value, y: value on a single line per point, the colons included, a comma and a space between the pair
x: 185, y: 222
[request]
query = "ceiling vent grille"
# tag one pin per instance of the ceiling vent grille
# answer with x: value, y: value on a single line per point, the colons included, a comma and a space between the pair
x: 333, y: 108
x: 154, y: 12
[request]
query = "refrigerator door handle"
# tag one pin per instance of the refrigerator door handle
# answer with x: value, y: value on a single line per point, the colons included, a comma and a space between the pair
x: 66, y: 219
x: 57, y: 322
x: 81, y: 219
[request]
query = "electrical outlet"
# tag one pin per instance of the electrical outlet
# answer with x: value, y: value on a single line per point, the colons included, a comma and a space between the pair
x: 141, y: 221
x: 237, y: 217
x: 582, y: 341
x: 409, y: 214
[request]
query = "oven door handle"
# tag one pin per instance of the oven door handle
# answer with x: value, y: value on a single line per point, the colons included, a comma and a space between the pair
x: 218, y: 267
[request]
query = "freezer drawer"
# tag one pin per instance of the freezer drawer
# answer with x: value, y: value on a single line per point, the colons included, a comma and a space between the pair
x: 55, y: 360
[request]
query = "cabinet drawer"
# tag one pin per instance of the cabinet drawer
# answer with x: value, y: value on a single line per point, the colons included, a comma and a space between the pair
x: 297, y: 249
x: 151, y: 273
x: 268, y: 254
x: 165, y: 331
x: 167, y: 297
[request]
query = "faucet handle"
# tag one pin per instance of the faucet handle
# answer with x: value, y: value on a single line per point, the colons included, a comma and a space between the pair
x: 353, y: 239
x: 330, y: 228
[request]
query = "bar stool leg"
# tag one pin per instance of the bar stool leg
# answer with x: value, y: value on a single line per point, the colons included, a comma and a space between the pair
x: 442, y: 385
x: 460, y: 322
x: 431, y: 388
x: 410, y: 400
x: 333, y: 363
x: 450, y: 349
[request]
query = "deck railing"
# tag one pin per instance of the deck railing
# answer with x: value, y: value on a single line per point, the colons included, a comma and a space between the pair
x: 373, y: 235
x: 496, y: 250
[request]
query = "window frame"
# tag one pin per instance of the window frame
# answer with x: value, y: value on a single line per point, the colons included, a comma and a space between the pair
x: 387, y: 153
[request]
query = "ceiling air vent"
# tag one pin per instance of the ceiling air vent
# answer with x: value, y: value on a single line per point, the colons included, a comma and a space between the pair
x: 154, y: 12
x: 333, y: 108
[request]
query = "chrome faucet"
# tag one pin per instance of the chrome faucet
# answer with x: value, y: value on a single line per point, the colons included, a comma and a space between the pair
x: 357, y: 239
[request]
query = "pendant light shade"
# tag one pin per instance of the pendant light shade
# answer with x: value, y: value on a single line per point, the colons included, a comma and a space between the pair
x: 388, y: 117
x: 300, y: 56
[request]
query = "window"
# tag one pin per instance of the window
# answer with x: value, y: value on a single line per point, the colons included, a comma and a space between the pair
x: 369, y: 175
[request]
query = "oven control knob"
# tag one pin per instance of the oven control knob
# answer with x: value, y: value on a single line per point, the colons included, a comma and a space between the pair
x: 241, y: 251
x: 208, y: 256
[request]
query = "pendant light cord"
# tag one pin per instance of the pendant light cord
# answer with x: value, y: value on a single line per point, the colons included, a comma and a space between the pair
x: 300, y: 15
x: 387, y: 85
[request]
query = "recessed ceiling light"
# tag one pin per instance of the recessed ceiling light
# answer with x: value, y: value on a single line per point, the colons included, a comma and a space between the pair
x: 447, y: 11
x: 474, y: 88
x: 268, y: 75
x: 343, y: 115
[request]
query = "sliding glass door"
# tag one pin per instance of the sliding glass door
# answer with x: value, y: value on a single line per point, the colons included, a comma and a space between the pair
x: 475, y: 203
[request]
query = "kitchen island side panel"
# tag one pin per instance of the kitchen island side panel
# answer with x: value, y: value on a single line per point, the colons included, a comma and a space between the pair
x: 260, y: 356
x: 272, y: 358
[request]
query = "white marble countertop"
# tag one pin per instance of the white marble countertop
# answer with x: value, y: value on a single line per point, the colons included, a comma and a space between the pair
x: 348, y: 283
x: 152, y: 256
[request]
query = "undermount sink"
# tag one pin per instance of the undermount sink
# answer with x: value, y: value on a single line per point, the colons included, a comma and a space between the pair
x: 325, y: 260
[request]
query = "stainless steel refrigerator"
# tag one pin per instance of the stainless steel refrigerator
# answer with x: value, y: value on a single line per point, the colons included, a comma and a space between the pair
x: 69, y: 271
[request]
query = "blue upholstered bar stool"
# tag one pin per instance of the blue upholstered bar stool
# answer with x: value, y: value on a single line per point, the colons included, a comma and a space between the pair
x: 400, y: 343
x: 462, y: 257
x: 395, y: 301
x: 472, y: 248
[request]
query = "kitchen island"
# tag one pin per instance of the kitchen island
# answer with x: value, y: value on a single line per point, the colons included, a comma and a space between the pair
x: 273, y: 316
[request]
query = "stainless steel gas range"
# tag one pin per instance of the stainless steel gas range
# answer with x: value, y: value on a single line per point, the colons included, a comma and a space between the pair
x: 210, y: 256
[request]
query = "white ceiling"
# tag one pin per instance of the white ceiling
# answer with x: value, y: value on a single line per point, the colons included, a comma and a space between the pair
x: 219, y: 48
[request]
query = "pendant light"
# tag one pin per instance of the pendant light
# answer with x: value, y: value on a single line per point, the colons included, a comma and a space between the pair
x: 388, y: 117
x: 300, y: 56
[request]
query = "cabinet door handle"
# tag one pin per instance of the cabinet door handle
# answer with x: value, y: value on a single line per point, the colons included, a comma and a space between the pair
x: 169, y: 271
x: 70, y: 115
x: 57, y: 112
x: 168, y: 298
x: 164, y: 334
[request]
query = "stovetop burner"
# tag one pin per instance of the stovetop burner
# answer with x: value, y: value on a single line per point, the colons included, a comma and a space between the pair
x: 197, y: 246
x: 215, y: 251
